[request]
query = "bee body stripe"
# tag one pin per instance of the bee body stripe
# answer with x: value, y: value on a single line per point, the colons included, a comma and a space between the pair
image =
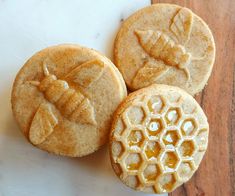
x: 56, y: 90
x: 72, y: 103
x: 162, y: 47
x: 64, y: 98
x: 85, y: 109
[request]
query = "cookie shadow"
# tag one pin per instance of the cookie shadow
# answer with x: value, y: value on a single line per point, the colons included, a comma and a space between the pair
x: 97, y: 163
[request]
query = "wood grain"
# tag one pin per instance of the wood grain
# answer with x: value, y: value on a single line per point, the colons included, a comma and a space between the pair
x: 216, y: 175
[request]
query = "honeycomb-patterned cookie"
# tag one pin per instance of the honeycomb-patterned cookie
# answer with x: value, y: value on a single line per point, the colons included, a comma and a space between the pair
x: 158, y: 138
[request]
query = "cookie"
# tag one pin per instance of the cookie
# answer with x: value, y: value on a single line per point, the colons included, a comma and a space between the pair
x: 158, y: 138
x: 165, y: 44
x: 64, y: 97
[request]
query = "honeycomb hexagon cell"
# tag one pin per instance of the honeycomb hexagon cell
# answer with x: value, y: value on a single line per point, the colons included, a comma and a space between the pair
x: 187, y: 148
x: 202, y: 139
x: 160, y: 146
x: 149, y: 189
x: 135, y: 138
x: 171, y: 138
x: 132, y: 181
x: 189, y: 127
x: 135, y: 115
x: 119, y: 127
x: 172, y: 116
x: 133, y: 161
x: 185, y: 170
x: 152, y: 149
x: 151, y: 172
x: 167, y: 182
x: 117, y: 149
x: 170, y: 160
x: 188, y: 107
x: 117, y: 168
x: 155, y: 127
x: 156, y: 104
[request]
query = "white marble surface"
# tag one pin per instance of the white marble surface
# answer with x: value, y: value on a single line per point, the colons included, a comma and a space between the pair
x: 26, y: 27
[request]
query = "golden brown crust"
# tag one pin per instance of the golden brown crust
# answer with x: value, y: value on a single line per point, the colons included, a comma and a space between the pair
x: 141, y: 66
x: 79, y: 124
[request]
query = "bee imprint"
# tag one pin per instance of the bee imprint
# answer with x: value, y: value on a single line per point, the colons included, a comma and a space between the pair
x: 162, y: 47
x: 71, y: 103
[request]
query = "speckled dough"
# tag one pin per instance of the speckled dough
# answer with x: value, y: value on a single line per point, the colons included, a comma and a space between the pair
x: 64, y: 97
x: 165, y: 44
x: 158, y: 138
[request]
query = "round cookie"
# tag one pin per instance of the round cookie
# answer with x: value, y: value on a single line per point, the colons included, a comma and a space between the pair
x: 165, y: 44
x: 64, y: 97
x: 158, y: 138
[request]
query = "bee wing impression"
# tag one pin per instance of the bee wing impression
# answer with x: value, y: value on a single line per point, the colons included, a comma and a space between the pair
x: 43, y: 124
x: 162, y: 47
x: 148, y: 74
x: 181, y: 25
x: 87, y: 73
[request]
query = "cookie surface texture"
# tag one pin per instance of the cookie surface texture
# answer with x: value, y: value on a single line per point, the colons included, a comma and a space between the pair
x: 158, y: 138
x: 165, y: 44
x: 64, y: 97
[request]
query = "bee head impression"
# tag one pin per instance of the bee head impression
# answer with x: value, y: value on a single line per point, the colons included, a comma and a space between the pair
x: 47, y: 80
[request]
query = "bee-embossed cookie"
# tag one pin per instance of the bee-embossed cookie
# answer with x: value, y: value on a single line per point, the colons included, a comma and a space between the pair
x: 64, y: 97
x: 165, y: 44
x: 158, y: 138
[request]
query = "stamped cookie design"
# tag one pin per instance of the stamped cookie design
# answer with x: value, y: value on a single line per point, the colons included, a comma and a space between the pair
x: 162, y: 47
x: 158, y: 139
x: 165, y: 44
x: 64, y: 97
x: 72, y: 104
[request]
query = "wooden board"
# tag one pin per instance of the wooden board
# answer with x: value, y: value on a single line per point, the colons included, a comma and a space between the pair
x: 216, y: 175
